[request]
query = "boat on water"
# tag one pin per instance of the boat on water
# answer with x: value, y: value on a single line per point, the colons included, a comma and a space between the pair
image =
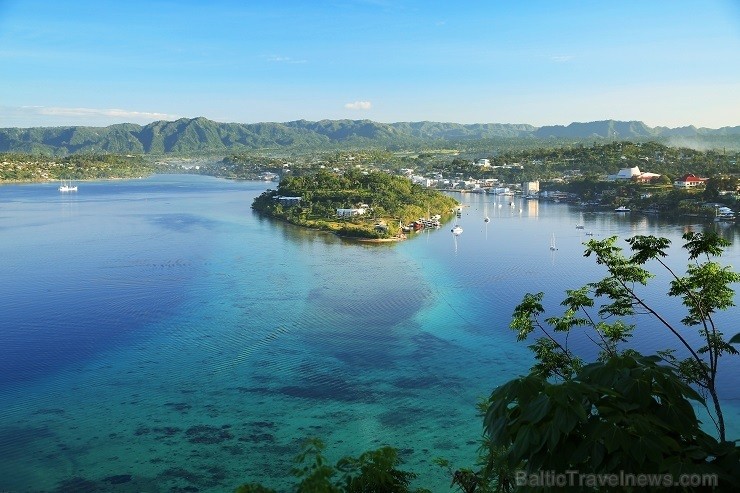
x: 579, y: 226
x: 66, y: 186
x: 622, y: 208
x: 457, y: 230
x: 724, y: 214
x: 552, y: 242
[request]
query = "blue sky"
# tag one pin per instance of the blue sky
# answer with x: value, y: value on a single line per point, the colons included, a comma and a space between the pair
x: 79, y: 62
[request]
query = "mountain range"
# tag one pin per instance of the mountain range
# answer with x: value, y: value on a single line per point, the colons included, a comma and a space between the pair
x: 201, y: 135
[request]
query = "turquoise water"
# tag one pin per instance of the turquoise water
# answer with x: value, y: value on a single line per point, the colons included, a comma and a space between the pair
x: 156, y: 335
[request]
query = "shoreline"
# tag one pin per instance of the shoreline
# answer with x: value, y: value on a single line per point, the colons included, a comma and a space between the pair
x: 358, y: 239
x: 42, y: 182
x: 372, y: 240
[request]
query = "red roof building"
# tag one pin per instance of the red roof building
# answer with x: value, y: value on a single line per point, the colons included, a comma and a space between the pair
x: 689, y: 181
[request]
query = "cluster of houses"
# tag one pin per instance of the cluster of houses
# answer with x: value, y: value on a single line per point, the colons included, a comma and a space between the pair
x: 438, y: 182
x: 360, y: 210
x: 689, y: 180
x: 493, y: 186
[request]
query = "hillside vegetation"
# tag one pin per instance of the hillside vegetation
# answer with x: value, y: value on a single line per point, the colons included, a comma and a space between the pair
x: 390, y: 199
x: 202, y: 136
x: 15, y: 167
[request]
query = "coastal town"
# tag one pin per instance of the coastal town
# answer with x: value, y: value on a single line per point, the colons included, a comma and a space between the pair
x: 643, y: 177
x: 628, y: 188
x: 644, y: 191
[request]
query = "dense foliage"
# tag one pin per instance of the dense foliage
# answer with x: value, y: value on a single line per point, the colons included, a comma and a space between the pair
x: 595, y: 161
x: 202, y: 136
x: 624, y: 415
x: 624, y: 412
x: 703, y: 290
x: 391, y: 200
x: 20, y: 167
x: 372, y: 472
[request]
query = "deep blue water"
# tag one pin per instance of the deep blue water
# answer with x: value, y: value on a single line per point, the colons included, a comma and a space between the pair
x: 158, y: 331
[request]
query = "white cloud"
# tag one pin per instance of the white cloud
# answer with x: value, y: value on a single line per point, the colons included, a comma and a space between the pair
x: 561, y: 58
x: 358, y: 105
x: 85, y: 112
x: 284, y: 59
x: 24, y: 116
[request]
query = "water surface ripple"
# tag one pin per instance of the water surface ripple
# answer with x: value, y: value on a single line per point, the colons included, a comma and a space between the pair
x: 156, y: 335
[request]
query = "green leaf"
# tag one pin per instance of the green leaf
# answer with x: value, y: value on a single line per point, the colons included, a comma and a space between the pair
x: 647, y: 247
x: 707, y: 243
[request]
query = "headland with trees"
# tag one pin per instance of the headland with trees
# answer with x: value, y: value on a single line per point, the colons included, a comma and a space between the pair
x: 365, y: 205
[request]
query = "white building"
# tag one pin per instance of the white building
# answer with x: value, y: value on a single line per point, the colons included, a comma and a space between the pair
x: 420, y: 180
x: 530, y: 188
x: 358, y: 211
x: 626, y: 173
x: 689, y: 181
x: 289, y: 200
x: 633, y: 174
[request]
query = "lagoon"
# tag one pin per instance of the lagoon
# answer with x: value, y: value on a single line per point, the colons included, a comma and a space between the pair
x: 157, y: 334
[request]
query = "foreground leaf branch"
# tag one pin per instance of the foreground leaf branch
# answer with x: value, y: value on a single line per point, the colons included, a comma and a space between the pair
x: 704, y: 290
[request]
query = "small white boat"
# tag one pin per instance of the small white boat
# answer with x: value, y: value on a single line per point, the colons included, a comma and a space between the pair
x: 579, y: 226
x: 486, y: 219
x: 622, y: 208
x: 552, y: 242
x: 67, y: 187
x: 457, y: 230
x: 724, y: 214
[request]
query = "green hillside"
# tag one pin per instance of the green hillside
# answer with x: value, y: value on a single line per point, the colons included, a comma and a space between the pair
x: 202, y: 136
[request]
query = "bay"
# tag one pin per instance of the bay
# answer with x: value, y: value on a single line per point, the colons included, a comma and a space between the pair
x: 156, y: 334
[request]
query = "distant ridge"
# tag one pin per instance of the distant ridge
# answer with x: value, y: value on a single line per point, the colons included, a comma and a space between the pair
x: 201, y: 135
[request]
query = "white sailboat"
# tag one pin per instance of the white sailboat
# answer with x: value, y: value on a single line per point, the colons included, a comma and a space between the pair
x: 457, y: 230
x: 552, y: 242
x: 66, y: 186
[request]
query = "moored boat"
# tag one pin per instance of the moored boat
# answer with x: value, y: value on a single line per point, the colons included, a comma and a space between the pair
x: 724, y: 214
x: 66, y: 186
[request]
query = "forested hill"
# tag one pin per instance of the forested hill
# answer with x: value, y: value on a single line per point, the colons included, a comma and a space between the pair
x: 200, y: 135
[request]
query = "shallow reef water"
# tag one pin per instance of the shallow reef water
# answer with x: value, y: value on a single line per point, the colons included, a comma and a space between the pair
x: 159, y: 336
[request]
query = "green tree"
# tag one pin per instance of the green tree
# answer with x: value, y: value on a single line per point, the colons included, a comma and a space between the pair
x: 626, y: 414
x: 623, y: 411
x: 374, y: 471
x: 313, y: 470
x: 703, y: 290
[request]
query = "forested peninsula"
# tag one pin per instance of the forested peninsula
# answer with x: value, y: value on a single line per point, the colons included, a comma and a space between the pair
x: 355, y: 204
